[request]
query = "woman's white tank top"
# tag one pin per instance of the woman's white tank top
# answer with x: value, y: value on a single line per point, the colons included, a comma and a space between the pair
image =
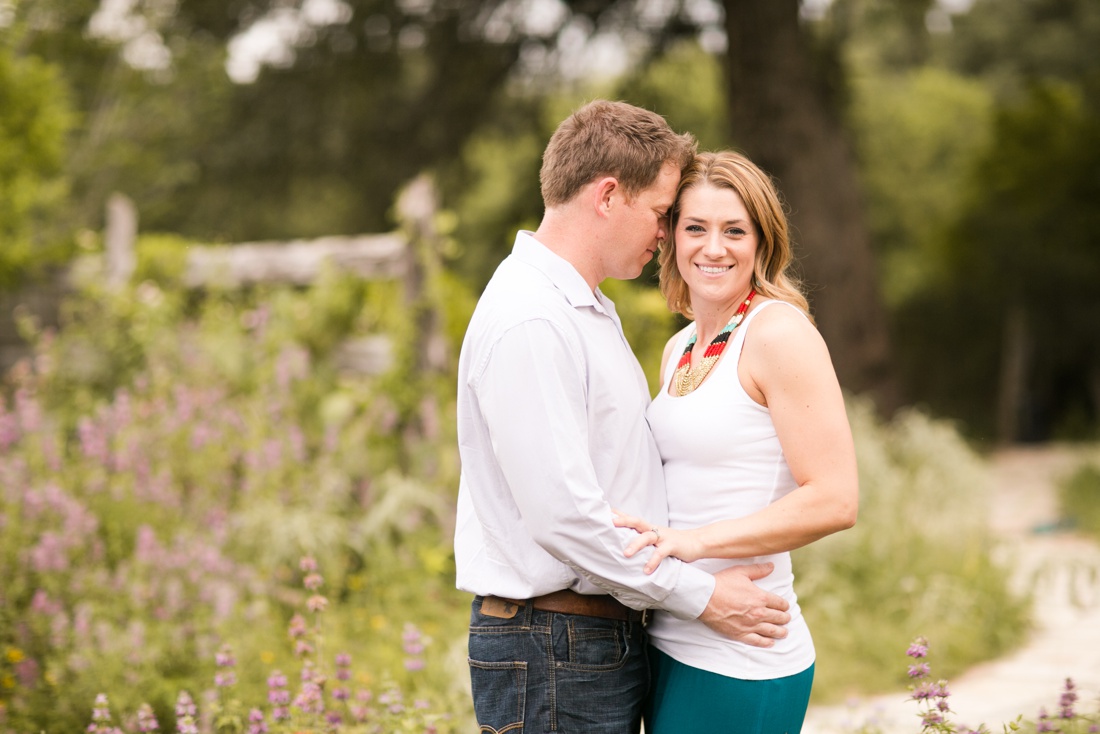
x: 722, y: 459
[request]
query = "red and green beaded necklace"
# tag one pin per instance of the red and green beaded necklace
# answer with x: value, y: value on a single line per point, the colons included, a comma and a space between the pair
x: 685, y: 379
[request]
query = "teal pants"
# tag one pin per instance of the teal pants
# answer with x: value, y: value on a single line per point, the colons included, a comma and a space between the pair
x: 686, y: 700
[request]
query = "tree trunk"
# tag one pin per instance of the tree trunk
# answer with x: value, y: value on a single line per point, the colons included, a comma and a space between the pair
x: 1012, y: 392
x: 784, y: 116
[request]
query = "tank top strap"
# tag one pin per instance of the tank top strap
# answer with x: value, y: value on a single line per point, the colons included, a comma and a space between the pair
x: 739, y: 335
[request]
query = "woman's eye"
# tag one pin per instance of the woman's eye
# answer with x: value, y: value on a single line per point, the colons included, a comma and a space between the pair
x: 693, y: 228
x: 735, y: 232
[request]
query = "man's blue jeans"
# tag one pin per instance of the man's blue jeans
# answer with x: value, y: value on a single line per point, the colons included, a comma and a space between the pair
x: 548, y: 672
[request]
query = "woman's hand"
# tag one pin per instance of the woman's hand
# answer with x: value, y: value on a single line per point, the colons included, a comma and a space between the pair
x: 682, y: 544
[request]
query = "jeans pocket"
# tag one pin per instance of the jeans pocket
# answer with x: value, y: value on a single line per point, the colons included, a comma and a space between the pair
x: 499, y: 693
x: 592, y: 645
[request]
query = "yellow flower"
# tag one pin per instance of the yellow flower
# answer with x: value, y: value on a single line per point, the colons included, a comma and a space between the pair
x: 7, y: 682
x: 378, y: 622
x: 13, y: 654
x: 267, y: 657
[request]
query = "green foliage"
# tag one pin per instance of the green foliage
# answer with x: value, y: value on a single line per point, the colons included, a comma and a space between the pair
x: 1079, y: 497
x: 684, y: 84
x: 919, y: 133
x: 494, y: 190
x: 161, y: 259
x: 34, y: 120
x: 1028, y: 226
x: 918, y: 559
x: 1014, y: 45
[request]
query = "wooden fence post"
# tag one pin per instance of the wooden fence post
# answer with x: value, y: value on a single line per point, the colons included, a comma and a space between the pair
x: 120, y: 238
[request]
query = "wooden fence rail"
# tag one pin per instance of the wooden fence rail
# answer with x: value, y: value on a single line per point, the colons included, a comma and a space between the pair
x: 405, y: 254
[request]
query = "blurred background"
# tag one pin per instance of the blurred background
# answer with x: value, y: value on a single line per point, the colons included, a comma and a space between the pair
x: 240, y: 241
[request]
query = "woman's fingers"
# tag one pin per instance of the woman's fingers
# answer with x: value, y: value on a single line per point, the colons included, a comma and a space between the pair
x: 622, y: 520
x: 659, y: 554
x: 640, y: 542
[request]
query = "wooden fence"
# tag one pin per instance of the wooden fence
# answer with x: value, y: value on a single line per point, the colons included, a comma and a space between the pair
x: 407, y: 254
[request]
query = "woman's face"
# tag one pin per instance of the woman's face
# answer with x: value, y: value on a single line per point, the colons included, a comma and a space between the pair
x: 715, y: 246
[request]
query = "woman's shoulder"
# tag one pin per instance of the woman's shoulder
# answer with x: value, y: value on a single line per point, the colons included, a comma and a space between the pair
x: 776, y: 311
x: 780, y: 325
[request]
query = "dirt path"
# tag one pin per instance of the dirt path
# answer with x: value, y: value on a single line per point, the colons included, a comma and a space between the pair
x: 1061, y: 568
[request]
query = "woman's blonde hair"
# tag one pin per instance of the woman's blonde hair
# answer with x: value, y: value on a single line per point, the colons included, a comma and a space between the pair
x: 771, y: 270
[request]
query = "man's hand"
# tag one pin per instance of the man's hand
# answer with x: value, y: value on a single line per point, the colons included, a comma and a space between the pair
x: 742, y: 611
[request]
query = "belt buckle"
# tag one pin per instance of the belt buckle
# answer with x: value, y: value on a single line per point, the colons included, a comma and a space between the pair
x: 646, y: 615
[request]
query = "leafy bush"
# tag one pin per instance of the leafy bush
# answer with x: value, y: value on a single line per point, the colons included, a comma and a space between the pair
x: 919, y: 557
x: 1079, y: 495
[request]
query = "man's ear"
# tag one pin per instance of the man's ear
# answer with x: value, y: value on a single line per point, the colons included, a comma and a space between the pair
x: 605, y: 192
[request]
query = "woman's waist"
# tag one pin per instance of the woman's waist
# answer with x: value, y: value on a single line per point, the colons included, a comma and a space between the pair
x: 780, y: 581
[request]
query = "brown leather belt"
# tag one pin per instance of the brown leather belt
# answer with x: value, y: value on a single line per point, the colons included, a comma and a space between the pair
x: 589, y: 605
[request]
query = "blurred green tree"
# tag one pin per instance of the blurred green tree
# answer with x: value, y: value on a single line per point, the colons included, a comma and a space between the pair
x: 1010, y: 303
x: 34, y: 119
x: 1016, y: 307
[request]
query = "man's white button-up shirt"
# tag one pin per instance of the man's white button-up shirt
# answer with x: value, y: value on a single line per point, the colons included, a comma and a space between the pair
x: 552, y: 435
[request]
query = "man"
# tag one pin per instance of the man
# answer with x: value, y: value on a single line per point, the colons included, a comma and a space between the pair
x: 552, y: 436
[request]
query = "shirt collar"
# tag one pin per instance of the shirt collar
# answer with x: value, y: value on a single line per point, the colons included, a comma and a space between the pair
x: 560, y: 272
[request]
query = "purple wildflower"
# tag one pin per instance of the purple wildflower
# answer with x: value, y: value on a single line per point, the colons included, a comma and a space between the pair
x: 310, y: 700
x: 1069, y: 698
x: 101, y: 717
x: 185, y: 706
x: 146, y: 720
x: 256, y: 723
x: 1044, y: 723
x: 316, y: 603
x: 920, y: 670
x: 297, y: 627
x: 924, y: 692
x: 224, y: 659
x: 313, y: 581
x: 343, y: 666
x: 225, y: 680
x: 932, y: 718
x: 919, y: 648
x: 101, y: 712
x: 413, y: 646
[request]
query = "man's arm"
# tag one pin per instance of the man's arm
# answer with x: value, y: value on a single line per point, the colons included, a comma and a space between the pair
x: 531, y: 393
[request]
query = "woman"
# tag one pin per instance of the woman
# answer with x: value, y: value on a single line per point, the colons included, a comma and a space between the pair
x: 757, y: 451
